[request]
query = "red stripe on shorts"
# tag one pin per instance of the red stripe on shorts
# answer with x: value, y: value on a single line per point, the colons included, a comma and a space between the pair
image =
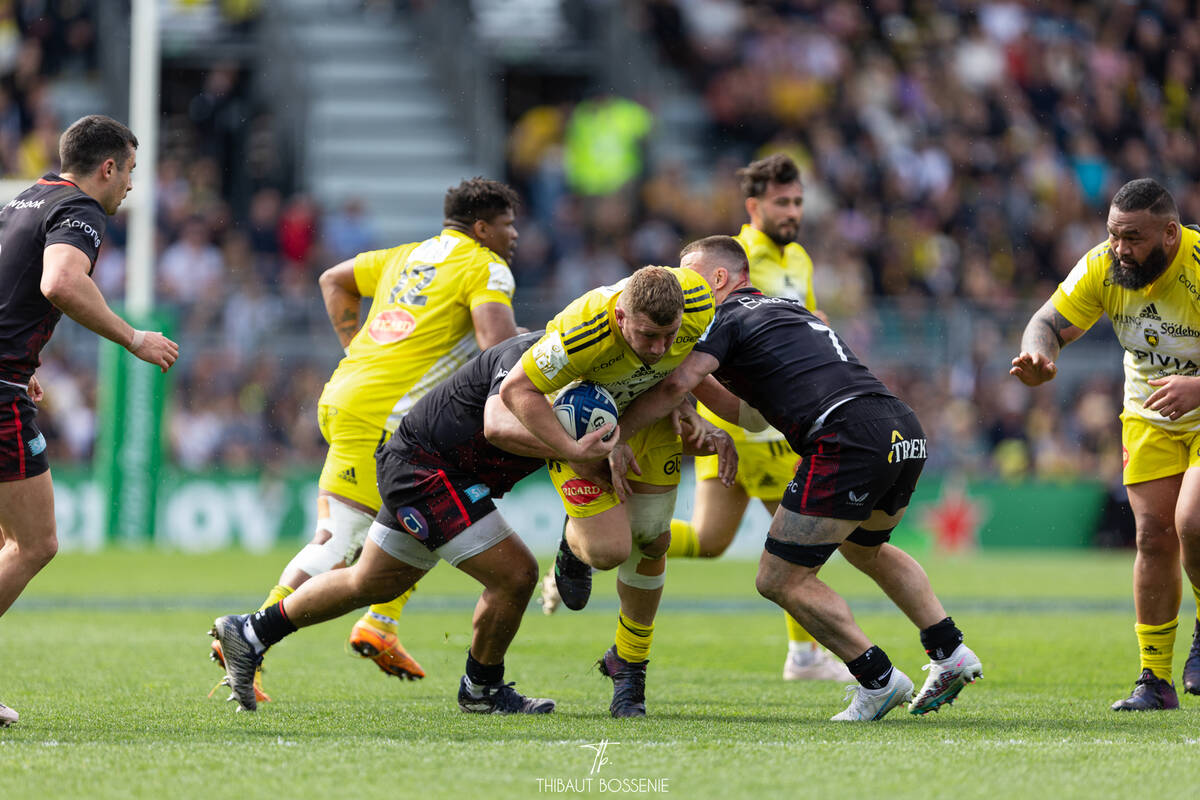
x: 812, y: 468
x: 454, y: 495
x: 20, y: 441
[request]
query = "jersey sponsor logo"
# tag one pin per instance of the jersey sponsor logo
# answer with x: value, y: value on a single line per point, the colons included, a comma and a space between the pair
x: 79, y: 224
x: 37, y: 444
x: 500, y: 278
x: 1191, y: 287
x: 672, y: 465
x: 1157, y: 359
x: 501, y: 373
x: 580, y: 492
x: 904, y: 449
x: 20, y: 204
x: 549, y: 355
x: 1151, y: 336
x: 1174, y: 329
x: 1125, y: 456
x: 1150, y: 312
x: 413, y: 522
x: 348, y: 476
x: 477, y: 492
x: 610, y: 362
x: 1125, y: 319
x: 391, y: 326
x: 686, y: 339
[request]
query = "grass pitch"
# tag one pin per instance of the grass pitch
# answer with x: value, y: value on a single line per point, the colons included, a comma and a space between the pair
x: 105, y: 656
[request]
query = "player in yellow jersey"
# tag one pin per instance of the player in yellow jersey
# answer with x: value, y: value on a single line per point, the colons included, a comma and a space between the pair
x: 626, y: 338
x: 780, y: 267
x: 1146, y: 277
x: 435, y: 304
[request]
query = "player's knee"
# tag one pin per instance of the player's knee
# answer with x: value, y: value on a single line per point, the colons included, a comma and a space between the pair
x: 606, y: 556
x: 40, y: 552
x: 1156, y: 537
x: 658, y: 547
x: 519, y: 579
x: 713, y: 549
x: 338, y: 540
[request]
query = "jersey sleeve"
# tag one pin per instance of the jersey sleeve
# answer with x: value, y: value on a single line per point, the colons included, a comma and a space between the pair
x: 1078, y: 297
x: 548, y: 365
x: 493, y: 284
x: 719, y: 337
x: 79, y: 222
x: 369, y: 267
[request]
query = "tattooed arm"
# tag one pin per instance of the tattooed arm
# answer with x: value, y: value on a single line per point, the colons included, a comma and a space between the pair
x: 1044, y: 338
x: 342, y: 300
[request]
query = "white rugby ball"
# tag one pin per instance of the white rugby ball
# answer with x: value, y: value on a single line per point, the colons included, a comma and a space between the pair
x: 584, y: 408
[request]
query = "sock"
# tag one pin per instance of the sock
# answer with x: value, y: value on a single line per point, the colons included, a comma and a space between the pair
x: 275, y: 595
x: 480, y: 675
x: 385, y: 617
x: 1157, y: 645
x: 1196, y: 594
x: 633, y: 639
x: 941, y: 639
x: 873, y: 669
x: 684, y: 541
x: 269, y: 625
x: 796, y: 633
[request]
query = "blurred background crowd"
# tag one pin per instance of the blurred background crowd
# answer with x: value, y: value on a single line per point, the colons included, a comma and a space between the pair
x: 958, y: 159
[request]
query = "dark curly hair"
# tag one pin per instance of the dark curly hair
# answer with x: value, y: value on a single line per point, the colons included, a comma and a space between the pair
x: 777, y: 168
x: 478, y: 198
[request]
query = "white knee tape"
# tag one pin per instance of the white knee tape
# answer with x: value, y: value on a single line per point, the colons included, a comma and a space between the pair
x: 627, y: 574
x: 347, y: 528
x: 650, y: 516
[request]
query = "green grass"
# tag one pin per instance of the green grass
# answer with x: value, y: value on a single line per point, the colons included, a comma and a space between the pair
x: 105, y: 658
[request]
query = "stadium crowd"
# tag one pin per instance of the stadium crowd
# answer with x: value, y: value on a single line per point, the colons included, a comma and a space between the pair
x: 951, y: 156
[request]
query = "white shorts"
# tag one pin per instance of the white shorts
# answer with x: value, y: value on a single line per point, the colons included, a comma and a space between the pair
x: 403, y: 546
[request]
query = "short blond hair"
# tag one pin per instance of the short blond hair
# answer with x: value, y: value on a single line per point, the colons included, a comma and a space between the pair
x: 655, y: 292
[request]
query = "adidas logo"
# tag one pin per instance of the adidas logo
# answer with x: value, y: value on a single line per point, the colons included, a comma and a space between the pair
x: 1150, y: 312
x: 348, y: 475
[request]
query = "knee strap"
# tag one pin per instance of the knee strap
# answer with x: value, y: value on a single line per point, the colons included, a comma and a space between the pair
x: 805, y: 555
x: 650, y: 516
x: 627, y: 574
x: 865, y: 538
x: 347, y: 528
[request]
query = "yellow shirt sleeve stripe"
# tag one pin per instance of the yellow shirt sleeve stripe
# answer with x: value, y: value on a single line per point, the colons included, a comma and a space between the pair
x: 602, y: 335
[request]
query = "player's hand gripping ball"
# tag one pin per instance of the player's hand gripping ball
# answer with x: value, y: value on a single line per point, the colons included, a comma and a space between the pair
x: 584, y: 408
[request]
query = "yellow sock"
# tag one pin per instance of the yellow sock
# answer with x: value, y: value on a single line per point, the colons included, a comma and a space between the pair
x: 795, y: 632
x: 275, y: 595
x: 633, y: 639
x: 684, y: 541
x: 1196, y: 594
x: 1157, y: 645
x: 385, y: 617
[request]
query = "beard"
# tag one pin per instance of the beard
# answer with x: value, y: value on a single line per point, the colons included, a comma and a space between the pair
x: 781, y: 234
x: 1138, y: 275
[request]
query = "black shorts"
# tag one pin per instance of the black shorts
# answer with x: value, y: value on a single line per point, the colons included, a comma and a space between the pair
x: 22, y: 445
x: 427, y: 498
x: 866, y: 457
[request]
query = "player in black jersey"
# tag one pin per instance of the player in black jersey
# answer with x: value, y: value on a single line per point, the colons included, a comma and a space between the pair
x: 50, y: 235
x: 437, y: 476
x: 863, y: 450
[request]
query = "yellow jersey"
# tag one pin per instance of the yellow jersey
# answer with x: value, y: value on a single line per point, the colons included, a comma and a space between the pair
x: 1158, y: 326
x: 583, y: 342
x: 780, y: 272
x: 419, y: 328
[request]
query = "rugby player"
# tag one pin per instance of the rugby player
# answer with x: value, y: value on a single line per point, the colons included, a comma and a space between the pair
x: 625, y: 337
x: 51, y: 235
x: 435, y: 304
x: 863, y: 450
x: 1146, y: 277
x: 774, y: 199
x: 438, y: 476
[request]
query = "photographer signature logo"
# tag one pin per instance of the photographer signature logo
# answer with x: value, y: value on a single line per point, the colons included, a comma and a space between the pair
x: 601, y: 759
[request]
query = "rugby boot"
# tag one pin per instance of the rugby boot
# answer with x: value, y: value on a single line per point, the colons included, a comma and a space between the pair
x: 241, y: 661
x: 572, y: 577
x: 8, y: 716
x: 385, y: 650
x: 1191, y: 667
x: 946, y: 679
x: 870, y: 705
x: 1150, y: 693
x: 500, y: 698
x: 216, y: 655
x: 629, y: 683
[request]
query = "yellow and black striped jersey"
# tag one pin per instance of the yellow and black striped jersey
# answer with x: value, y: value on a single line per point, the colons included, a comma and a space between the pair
x: 1158, y: 326
x: 583, y: 342
x: 419, y: 328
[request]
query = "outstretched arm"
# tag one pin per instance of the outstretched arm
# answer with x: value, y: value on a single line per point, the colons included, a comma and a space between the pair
x: 1045, y: 336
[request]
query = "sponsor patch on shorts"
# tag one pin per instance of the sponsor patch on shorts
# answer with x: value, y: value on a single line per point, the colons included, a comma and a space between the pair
x: 580, y: 492
x: 413, y: 522
x: 37, y: 445
x: 477, y: 492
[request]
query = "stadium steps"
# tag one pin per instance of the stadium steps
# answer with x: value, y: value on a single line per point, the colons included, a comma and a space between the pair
x: 377, y: 127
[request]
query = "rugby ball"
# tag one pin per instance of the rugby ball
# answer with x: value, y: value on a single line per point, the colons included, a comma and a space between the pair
x: 585, y: 407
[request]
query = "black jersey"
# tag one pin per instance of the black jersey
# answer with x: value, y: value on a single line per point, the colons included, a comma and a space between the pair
x: 448, y: 421
x: 780, y: 358
x: 53, y: 210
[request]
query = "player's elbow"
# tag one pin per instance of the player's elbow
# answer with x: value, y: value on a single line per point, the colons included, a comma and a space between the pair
x: 56, y: 286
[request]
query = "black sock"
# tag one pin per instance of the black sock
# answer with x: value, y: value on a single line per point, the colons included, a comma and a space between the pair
x: 271, y: 624
x: 873, y: 669
x: 483, y: 674
x: 941, y: 639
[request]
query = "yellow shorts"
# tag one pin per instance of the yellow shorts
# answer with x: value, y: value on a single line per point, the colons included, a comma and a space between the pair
x: 349, y: 468
x: 658, y: 452
x: 1149, y: 452
x: 764, y: 468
